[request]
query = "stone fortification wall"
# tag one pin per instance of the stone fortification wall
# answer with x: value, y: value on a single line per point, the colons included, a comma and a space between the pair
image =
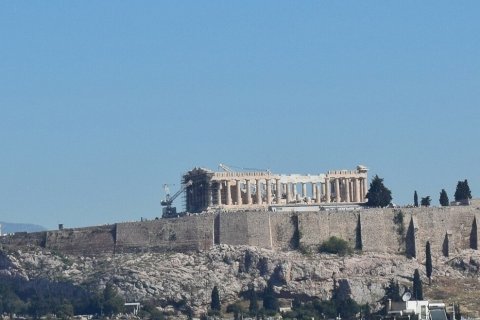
x: 262, y: 229
x: 84, y: 241
x: 282, y: 230
x: 403, y: 230
x: 448, y: 229
x: 316, y: 227
x: 24, y: 239
x: 382, y: 230
x: 181, y: 234
x: 232, y: 228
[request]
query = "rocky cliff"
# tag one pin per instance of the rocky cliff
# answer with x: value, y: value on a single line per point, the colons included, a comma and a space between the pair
x: 186, y: 280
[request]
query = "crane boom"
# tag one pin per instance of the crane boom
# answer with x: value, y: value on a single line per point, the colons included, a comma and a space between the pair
x: 169, y: 211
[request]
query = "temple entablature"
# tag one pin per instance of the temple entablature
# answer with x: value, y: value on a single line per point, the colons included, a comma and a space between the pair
x: 250, y: 190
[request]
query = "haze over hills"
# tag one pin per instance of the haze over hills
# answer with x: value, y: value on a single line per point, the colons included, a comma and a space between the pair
x: 12, y: 227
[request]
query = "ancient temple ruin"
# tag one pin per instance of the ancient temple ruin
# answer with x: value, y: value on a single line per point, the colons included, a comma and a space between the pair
x: 208, y: 190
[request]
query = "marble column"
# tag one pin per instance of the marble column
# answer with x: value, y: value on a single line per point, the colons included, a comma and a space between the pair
x: 219, y: 193
x: 327, y: 190
x: 268, y: 185
x: 229, y: 193
x: 337, y: 190
x: 209, y: 193
x: 318, y: 194
x: 279, y: 191
x: 365, y: 189
x: 249, y: 192
x: 294, y: 191
x: 352, y: 197
x: 347, y: 190
x: 259, y: 192
x: 361, y: 190
x: 357, y: 189
x: 304, y: 190
x: 289, y: 195
x: 239, y: 193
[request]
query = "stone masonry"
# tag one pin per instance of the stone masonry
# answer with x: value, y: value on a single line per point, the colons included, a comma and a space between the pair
x: 405, y: 231
x: 207, y: 190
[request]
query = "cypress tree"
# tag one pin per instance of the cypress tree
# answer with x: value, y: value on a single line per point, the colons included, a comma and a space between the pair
x: 253, y: 306
x: 463, y: 191
x: 415, y: 199
x: 270, y: 301
x: 417, y: 286
x: 444, y: 202
x: 378, y: 195
x: 428, y: 262
x: 215, y: 304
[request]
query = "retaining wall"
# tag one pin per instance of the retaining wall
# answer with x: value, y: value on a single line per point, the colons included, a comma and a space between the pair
x: 374, y: 230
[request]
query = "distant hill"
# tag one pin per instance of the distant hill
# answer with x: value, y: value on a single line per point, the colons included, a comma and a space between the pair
x: 8, y: 227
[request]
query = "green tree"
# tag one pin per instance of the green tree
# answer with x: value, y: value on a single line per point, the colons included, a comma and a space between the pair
x: 236, y: 309
x: 417, y: 286
x: 270, y: 300
x: 253, y: 302
x: 378, y: 195
x: 463, y: 191
x: 150, y: 308
x: 426, y: 201
x: 335, y: 245
x: 112, y: 302
x: 344, y: 305
x: 415, y: 199
x: 262, y: 266
x: 458, y: 312
x: 428, y: 262
x: 392, y: 291
x: 215, y: 303
x: 64, y: 310
x: 444, y: 202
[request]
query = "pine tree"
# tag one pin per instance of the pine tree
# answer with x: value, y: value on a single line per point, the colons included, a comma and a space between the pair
x: 378, y: 195
x: 428, y: 262
x: 392, y: 292
x: 417, y: 286
x: 426, y: 201
x: 444, y: 202
x: 463, y: 191
x: 270, y: 301
x: 415, y: 199
x: 215, y: 304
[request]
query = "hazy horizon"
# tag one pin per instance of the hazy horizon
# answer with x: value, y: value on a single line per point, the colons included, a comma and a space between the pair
x: 104, y: 102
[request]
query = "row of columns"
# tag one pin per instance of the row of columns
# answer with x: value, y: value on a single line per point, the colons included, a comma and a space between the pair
x: 332, y: 190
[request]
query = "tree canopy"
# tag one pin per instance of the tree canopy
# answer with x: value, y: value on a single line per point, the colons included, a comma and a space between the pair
x: 463, y: 191
x: 428, y: 261
x: 270, y: 300
x: 426, y: 201
x: 253, y: 302
x: 215, y: 304
x: 417, y: 286
x: 378, y: 195
x: 444, y: 202
x: 335, y: 245
x: 415, y: 199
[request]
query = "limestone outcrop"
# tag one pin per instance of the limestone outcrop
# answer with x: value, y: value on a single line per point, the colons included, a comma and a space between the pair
x: 186, y: 280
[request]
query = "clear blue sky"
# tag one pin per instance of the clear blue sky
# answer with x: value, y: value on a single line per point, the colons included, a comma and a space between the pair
x: 102, y: 102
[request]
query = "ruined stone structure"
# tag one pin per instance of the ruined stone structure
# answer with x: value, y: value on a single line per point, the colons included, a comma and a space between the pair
x: 404, y: 231
x: 254, y: 190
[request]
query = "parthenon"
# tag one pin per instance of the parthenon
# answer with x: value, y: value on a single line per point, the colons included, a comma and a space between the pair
x: 261, y: 190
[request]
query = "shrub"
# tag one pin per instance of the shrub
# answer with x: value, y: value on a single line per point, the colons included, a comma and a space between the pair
x: 335, y: 245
